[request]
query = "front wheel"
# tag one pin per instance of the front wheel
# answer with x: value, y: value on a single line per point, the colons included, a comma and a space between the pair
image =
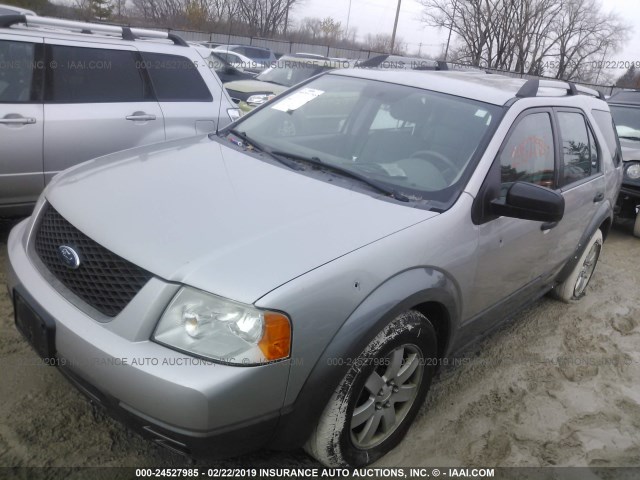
x: 636, y: 226
x: 574, y: 287
x: 373, y: 406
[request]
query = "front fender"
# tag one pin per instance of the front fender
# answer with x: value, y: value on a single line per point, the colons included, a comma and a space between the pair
x: 400, y: 293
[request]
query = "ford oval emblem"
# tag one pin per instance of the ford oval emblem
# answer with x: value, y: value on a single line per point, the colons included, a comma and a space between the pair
x: 69, y: 257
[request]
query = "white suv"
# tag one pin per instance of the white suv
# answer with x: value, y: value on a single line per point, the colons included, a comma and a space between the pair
x: 101, y: 89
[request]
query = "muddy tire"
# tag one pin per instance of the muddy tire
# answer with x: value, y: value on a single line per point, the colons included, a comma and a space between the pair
x: 373, y: 406
x: 574, y: 287
x: 636, y: 226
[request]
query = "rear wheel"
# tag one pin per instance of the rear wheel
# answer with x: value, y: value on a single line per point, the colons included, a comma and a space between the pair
x: 574, y: 287
x: 372, y: 408
x: 636, y: 227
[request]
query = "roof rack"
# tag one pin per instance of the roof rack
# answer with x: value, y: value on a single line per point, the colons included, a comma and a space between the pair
x: 126, y: 33
x: 531, y: 86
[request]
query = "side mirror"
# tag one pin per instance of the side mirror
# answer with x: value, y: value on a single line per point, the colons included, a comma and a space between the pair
x: 530, y: 202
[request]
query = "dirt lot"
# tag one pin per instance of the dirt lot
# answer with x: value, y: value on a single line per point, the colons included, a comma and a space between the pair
x: 558, y: 386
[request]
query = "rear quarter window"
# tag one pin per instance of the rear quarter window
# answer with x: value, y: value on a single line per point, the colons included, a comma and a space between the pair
x: 176, y: 78
x: 606, y: 125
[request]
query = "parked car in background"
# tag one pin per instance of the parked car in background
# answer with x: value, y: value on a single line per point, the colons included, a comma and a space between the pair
x: 625, y: 108
x: 286, y: 72
x: 209, y: 44
x: 99, y: 92
x: 225, y: 71
x: 240, y: 61
x: 295, y: 279
x: 262, y: 56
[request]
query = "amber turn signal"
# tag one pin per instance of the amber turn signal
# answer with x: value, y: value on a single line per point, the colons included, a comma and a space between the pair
x: 276, y: 341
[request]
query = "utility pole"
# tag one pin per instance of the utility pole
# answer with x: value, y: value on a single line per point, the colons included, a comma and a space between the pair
x: 348, y: 18
x: 395, y: 27
x: 453, y: 17
x: 286, y: 18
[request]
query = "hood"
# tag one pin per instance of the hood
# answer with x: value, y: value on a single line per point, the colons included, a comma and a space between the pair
x: 254, y: 86
x: 200, y: 213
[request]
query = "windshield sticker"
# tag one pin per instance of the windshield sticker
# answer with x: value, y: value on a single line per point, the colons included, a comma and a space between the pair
x: 297, y: 100
x: 481, y: 113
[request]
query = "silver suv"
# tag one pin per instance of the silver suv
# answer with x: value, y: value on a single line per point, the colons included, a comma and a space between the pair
x: 294, y: 280
x: 67, y: 97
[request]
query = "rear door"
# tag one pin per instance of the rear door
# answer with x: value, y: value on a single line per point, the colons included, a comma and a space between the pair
x: 581, y: 181
x: 21, y: 120
x: 97, y: 101
x: 184, y: 95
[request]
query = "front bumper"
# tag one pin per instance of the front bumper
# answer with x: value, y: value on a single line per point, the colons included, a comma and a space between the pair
x: 189, y: 405
x: 628, y: 203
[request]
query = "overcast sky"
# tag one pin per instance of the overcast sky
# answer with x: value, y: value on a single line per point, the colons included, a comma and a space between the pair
x: 373, y: 16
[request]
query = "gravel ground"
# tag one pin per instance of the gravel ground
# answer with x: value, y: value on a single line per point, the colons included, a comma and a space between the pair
x: 558, y: 386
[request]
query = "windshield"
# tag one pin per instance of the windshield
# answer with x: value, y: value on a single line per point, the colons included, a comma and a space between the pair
x: 289, y: 73
x: 412, y: 141
x: 627, y: 120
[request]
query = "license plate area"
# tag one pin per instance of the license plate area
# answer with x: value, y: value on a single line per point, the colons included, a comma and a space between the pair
x: 37, y: 330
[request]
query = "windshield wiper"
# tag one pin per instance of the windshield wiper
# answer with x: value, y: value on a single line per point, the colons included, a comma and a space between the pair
x: 261, y: 148
x: 316, y: 162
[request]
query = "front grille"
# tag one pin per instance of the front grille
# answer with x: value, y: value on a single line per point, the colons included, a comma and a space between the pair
x: 103, y: 280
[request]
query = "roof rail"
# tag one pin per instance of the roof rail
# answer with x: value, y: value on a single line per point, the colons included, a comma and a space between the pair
x: 126, y: 33
x: 531, y: 86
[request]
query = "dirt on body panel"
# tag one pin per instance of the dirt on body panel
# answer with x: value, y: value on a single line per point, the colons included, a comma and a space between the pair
x: 559, y: 386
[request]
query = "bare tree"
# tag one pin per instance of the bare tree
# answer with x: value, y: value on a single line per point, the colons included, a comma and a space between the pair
x: 331, y: 30
x: 264, y: 17
x: 584, y: 32
x: 529, y: 36
x: 381, y: 42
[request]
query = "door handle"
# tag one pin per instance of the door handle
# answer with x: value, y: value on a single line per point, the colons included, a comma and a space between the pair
x: 598, y: 198
x: 140, y: 117
x: 548, y: 226
x: 18, y: 121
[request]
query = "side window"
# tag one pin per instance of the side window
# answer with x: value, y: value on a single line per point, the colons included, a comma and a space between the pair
x: 576, y: 151
x: 93, y: 75
x: 176, y: 78
x: 605, y: 123
x: 528, y: 155
x: 17, y: 68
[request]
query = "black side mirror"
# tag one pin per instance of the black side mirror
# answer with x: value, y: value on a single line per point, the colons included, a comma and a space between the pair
x: 530, y: 202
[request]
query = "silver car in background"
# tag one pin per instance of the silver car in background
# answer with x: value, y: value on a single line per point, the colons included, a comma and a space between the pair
x: 97, y: 93
x: 294, y: 280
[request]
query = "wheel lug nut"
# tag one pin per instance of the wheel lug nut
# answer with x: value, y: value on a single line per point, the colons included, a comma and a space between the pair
x: 386, y: 405
x: 381, y: 392
x: 396, y: 389
x: 378, y: 406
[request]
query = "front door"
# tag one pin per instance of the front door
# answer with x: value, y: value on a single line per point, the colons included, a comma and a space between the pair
x: 515, y: 254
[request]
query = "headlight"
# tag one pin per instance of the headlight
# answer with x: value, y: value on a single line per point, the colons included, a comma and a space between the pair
x: 255, y: 100
x: 234, y: 113
x: 222, y: 330
x: 633, y: 171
